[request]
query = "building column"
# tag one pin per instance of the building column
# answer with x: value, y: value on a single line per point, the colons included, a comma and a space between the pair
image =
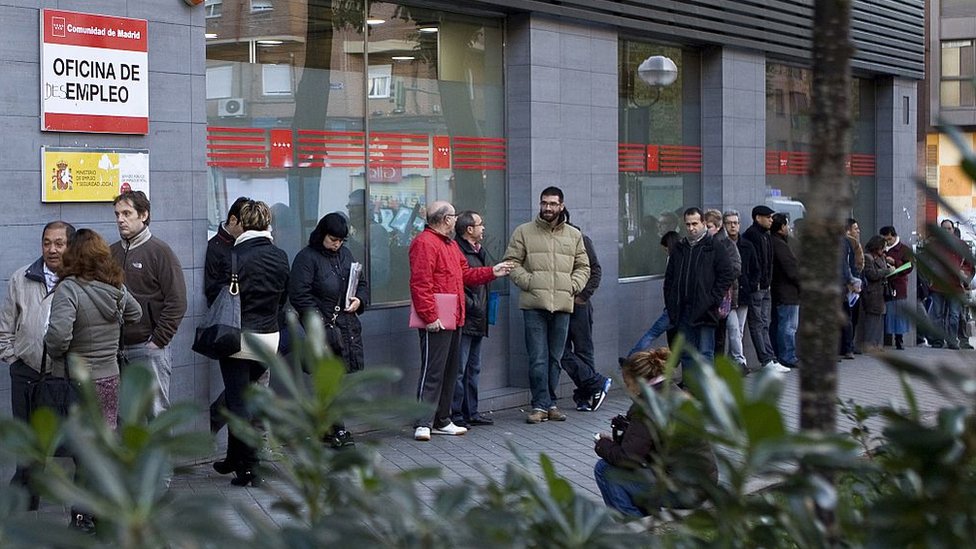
x: 561, y: 98
x: 733, y: 130
x: 896, y: 158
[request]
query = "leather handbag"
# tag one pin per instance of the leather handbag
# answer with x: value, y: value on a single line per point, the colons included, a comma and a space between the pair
x: 56, y: 393
x: 219, y: 335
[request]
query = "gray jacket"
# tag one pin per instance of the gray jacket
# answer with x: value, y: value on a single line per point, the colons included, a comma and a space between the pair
x: 84, y: 325
x: 23, y: 316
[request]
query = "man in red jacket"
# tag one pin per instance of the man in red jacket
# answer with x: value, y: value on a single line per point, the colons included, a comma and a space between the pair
x: 437, y: 266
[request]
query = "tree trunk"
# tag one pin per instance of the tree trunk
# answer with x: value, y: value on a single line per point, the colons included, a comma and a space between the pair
x: 829, y: 202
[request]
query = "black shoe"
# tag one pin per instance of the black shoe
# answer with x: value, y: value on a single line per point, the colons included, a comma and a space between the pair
x: 343, y: 439
x: 246, y: 477
x: 224, y: 467
x: 965, y: 345
x: 953, y: 346
x: 83, y: 522
x: 479, y: 419
x: 936, y: 344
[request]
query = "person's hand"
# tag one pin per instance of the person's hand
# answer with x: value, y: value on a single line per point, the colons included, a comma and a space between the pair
x: 152, y: 345
x: 354, y: 304
x: 579, y: 300
x: 502, y: 269
x: 890, y: 260
x: 435, y: 326
x: 604, y: 436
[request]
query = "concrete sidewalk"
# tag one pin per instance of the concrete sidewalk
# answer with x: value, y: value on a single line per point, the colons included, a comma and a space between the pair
x: 569, y: 444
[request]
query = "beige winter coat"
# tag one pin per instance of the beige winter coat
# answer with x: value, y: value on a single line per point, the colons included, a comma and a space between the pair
x: 551, y: 265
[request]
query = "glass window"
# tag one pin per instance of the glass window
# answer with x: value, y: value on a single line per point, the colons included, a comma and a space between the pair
x: 212, y: 8
x: 659, y: 154
x: 313, y: 113
x: 258, y: 6
x: 958, y: 70
x: 788, y: 144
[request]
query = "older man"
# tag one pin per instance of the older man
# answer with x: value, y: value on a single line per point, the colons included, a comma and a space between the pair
x: 437, y: 266
x: 551, y: 269
x: 23, y: 321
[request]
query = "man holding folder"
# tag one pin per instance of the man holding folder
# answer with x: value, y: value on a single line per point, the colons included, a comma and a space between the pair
x: 438, y: 274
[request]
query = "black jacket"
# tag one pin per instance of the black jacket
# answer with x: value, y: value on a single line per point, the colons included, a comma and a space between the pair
x: 696, y: 280
x: 318, y: 283
x: 216, y: 264
x: 596, y: 272
x: 760, y: 239
x: 475, y: 297
x: 749, y: 279
x: 263, y: 274
x: 785, y: 289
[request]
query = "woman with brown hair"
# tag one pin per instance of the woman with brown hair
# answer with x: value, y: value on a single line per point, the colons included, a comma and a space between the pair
x: 262, y: 270
x: 88, y: 307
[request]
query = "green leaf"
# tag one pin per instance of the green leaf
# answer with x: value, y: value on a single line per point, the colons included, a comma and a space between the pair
x: 559, y: 488
x: 762, y: 421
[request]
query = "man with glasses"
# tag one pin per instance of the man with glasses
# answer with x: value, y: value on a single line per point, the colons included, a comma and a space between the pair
x: 437, y: 267
x: 551, y: 268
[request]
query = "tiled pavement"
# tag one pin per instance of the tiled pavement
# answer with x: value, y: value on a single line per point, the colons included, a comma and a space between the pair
x: 569, y: 444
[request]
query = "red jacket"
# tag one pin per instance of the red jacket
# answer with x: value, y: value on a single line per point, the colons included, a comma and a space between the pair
x: 437, y: 266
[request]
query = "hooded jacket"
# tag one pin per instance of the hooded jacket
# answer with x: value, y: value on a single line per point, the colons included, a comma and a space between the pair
x: 551, y: 265
x: 23, y: 316
x: 84, y: 325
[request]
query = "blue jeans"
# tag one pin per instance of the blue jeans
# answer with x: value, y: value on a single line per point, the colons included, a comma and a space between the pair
x: 659, y: 327
x: 619, y: 493
x: 701, y: 338
x: 945, y: 315
x: 545, y: 339
x: 760, y: 311
x: 788, y: 318
x: 465, y: 404
x: 161, y: 363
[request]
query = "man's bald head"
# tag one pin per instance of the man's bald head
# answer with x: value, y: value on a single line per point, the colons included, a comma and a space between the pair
x: 441, y: 217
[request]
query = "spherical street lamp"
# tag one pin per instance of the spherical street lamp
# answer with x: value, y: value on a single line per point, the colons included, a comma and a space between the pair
x: 658, y: 71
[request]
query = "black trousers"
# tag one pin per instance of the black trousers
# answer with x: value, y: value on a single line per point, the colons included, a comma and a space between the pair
x: 22, y: 377
x: 238, y: 374
x: 439, y: 355
x: 578, y: 358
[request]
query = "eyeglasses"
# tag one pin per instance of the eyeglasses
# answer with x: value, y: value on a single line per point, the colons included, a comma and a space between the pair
x: 450, y: 215
x: 553, y: 205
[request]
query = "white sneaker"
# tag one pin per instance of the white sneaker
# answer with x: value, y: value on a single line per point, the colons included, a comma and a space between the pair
x: 422, y: 434
x: 450, y: 429
x: 775, y: 366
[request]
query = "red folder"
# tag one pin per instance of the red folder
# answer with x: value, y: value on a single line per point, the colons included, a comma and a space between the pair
x: 446, y: 311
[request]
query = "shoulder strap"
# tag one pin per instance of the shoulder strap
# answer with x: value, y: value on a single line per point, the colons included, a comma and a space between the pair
x: 234, y: 286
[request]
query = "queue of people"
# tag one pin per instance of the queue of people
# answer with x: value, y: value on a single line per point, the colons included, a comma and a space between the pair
x: 719, y: 279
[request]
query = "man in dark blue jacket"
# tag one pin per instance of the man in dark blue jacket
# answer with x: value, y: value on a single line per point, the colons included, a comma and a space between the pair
x: 698, y: 275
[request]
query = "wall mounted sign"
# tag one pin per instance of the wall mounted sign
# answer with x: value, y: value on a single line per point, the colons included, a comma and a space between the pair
x: 94, y: 73
x: 77, y: 174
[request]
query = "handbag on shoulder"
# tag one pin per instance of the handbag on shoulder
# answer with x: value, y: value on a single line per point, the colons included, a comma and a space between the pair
x: 56, y: 393
x: 219, y: 334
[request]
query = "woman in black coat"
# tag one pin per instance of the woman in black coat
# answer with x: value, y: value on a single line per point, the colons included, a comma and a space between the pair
x: 262, y: 270
x: 319, y: 280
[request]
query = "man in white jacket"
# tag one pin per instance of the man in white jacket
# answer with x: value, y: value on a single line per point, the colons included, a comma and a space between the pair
x: 23, y: 321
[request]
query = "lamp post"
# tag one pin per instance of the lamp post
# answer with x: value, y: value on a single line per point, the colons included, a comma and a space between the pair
x: 657, y: 72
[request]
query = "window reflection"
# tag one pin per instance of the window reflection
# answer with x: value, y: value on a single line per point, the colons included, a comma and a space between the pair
x: 315, y: 108
x: 659, y: 155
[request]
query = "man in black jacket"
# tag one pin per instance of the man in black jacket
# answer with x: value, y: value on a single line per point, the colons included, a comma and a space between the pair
x: 785, y: 291
x: 469, y: 231
x: 760, y: 302
x: 698, y: 275
x: 578, y: 360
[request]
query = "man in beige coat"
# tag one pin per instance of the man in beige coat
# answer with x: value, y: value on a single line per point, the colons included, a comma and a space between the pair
x: 551, y: 268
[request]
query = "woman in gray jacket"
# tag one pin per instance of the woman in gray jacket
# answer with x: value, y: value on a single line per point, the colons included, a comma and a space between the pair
x: 88, y: 306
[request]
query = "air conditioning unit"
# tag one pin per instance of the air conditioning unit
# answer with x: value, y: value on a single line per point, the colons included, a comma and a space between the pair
x: 231, y: 107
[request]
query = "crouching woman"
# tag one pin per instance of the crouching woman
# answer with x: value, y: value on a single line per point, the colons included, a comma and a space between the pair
x: 638, y: 450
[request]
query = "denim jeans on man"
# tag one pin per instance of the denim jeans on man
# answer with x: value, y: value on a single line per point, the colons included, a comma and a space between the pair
x: 760, y: 313
x: 545, y: 339
x: 945, y: 315
x: 701, y: 338
x: 578, y: 358
x: 465, y: 404
x: 787, y: 321
x: 735, y: 325
x: 162, y: 367
x: 659, y: 327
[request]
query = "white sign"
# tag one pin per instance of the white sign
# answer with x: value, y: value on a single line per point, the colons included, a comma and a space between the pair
x: 94, y: 73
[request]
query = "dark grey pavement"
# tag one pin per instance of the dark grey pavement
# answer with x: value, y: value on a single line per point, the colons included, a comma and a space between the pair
x: 569, y: 444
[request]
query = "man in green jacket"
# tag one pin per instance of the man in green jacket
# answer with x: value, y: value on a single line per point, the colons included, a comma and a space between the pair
x: 551, y: 268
